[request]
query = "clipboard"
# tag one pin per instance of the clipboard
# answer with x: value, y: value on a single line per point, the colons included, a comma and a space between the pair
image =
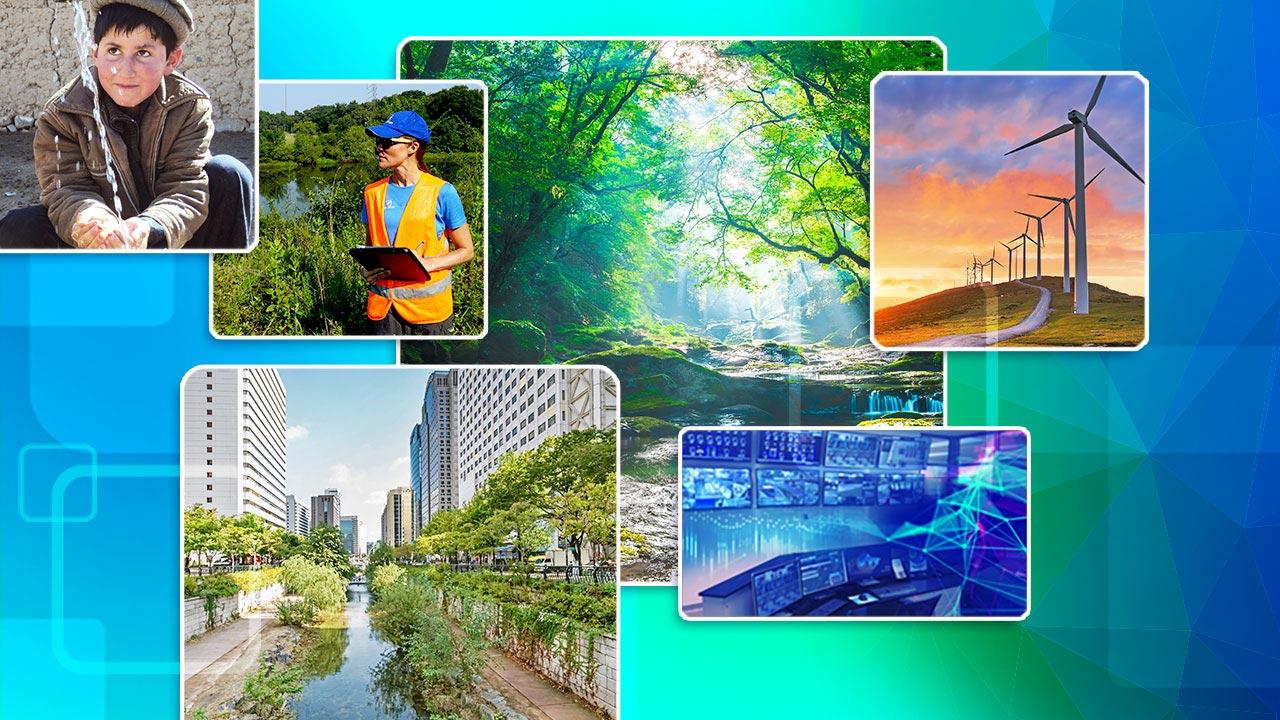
x: 405, y: 264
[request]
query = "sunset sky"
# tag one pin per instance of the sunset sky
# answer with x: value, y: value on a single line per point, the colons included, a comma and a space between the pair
x: 944, y: 190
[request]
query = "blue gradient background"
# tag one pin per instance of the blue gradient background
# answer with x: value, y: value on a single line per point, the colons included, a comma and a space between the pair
x: 1156, y: 491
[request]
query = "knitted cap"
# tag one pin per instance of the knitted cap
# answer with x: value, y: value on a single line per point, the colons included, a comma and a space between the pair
x: 174, y: 12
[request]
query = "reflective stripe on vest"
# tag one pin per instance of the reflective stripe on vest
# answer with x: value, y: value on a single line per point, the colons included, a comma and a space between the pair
x: 415, y: 303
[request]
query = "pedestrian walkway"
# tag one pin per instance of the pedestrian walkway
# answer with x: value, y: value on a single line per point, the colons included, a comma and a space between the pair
x: 214, y: 649
x: 529, y: 693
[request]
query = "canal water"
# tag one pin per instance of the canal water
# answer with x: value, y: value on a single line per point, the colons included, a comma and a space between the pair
x: 355, y: 675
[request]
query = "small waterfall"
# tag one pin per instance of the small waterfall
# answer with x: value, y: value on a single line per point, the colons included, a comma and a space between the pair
x: 880, y: 403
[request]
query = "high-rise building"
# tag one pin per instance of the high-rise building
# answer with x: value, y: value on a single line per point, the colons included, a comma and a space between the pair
x: 397, y: 520
x: 234, y: 456
x: 415, y: 475
x: 349, y: 525
x: 325, y: 509
x: 497, y: 411
x: 297, y: 517
x: 439, y: 463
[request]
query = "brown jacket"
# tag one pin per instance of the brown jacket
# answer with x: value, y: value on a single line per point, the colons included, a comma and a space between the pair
x: 173, y: 141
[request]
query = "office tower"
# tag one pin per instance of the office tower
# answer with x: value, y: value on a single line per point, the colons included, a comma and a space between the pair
x: 397, y: 523
x: 439, y: 467
x: 349, y: 525
x: 325, y: 509
x: 297, y: 517
x: 497, y: 411
x: 415, y: 475
x: 234, y: 457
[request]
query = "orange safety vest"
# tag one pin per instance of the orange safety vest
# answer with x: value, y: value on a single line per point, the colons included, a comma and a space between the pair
x: 417, y: 303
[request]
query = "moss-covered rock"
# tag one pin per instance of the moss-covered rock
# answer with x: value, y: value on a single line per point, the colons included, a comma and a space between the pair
x: 513, y: 341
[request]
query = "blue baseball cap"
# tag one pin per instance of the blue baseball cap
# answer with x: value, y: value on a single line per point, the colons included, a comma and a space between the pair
x: 402, y: 123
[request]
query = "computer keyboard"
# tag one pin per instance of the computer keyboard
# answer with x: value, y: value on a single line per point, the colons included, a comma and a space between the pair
x: 828, y: 607
x: 897, y: 592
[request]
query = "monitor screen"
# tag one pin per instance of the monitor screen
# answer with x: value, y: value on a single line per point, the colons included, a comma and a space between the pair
x: 849, y: 488
x: 776, y: 588
x: 712, y: 488
x: 821, y: 570
x: 791, y: 447
x: 865, y: 562
x: 717, y: 444
x: 849, y: 449
x: 786, y: 488
x: 904, y: 453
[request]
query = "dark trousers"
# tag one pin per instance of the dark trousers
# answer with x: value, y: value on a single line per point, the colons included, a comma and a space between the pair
x: 393, y: 324
x: 228, y: 226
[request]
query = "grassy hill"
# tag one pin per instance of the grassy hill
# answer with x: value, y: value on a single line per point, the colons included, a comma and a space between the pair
x: 969, y: 309
x: 1114, y: 320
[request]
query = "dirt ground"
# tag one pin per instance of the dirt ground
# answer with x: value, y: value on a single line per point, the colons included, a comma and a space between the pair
x: 18, y: 167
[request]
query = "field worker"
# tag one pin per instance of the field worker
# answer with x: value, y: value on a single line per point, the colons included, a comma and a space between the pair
x: 168, y: 193
x: 417, y: 210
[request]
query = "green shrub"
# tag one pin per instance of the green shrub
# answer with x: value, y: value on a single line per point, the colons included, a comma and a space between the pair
x: 296, y: 612
x: 210, y: 586
x: 323, y: 587
x: 384, y: 576
x: 268, y: 688
x: 251, y: 580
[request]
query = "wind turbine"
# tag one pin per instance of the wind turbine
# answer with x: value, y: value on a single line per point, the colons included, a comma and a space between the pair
x: 1065, y: 202
x: 973, y: 264
x: 1008, y: 259
x: 1024, y: 237
x: 1039, y: 241
x: 992, y: 262
x: 1079, y: 123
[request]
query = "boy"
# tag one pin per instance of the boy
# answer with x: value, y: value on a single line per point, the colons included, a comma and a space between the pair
x: 168, y: 192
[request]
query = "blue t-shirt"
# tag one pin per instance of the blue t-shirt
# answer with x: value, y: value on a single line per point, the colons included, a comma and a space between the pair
x: 449, y: 212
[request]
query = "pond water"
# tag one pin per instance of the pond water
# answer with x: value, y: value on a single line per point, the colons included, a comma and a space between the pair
x: 286, y: 192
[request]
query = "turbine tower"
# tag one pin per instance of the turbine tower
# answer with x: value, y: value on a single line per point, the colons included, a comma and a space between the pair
x: 1009, y: 259
x: 1039, y: 241
x: 1079, y: 123
x: 1065, y: 202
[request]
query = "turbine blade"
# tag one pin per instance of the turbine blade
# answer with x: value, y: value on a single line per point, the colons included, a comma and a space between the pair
x: 1095, y: 177
x: 1048, y: 197
x: 1096, y: 92
x: 1100, y: 142
x: 1055, y: 207
x: 1072, y: 222
x: 1051, y: 134
x: 1024, y: 214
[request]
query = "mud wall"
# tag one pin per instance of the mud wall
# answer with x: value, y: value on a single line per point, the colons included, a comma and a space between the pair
x: 38, y: 56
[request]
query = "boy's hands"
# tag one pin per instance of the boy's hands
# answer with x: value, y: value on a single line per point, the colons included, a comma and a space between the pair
x: 97, y: 227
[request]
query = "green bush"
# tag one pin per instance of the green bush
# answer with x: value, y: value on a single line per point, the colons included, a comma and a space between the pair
x: 251, y: 580
x: 323, y: 587
x: 296, y: 612
x: 210, y: 586
x: 268, y: 688
x: 384, y: 576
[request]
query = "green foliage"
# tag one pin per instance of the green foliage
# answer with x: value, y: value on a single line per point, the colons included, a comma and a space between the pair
x: 384, y: 576
x: 267, y: 689
x: 325, y: 548
x: 568, y: 483
x: 381, y: 554
x: 409, y: 616
x: 251, y: 580
x: 204, y: 533
x: 319, y: 585
x: 296, y: 612
x: 336, y: 132
x: 300, y: 279
x: 212, y: 586
x: 587, y: 605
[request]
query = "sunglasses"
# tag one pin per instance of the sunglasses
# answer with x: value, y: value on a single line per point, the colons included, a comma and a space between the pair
x: 386, y: 143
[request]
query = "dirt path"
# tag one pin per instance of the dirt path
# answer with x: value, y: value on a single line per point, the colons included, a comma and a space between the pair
x: 1032, y: 321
